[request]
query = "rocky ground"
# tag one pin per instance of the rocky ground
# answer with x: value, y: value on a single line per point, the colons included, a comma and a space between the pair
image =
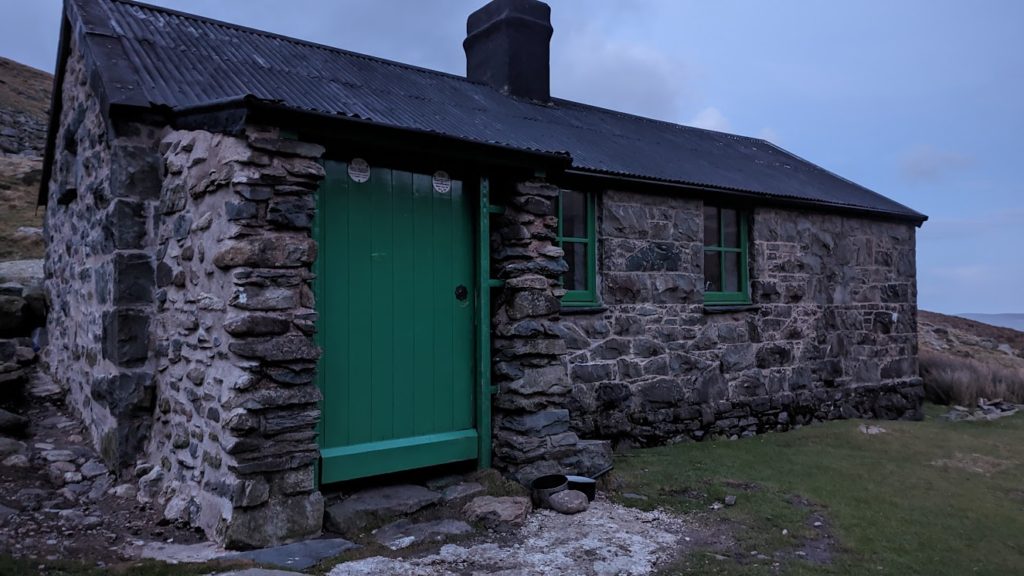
x: 605, y: 539
x: 57, y: 499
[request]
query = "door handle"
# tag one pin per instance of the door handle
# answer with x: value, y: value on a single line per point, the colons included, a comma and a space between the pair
x: 461, y: 292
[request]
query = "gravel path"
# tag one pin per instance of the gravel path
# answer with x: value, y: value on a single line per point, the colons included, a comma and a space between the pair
x: 606, y: 539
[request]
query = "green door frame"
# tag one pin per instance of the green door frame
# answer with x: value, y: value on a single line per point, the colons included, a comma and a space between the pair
x: 409, y: 454
x: 483, y: 323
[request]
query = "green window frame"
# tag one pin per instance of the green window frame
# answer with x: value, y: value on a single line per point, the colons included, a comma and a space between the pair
x: 726, y: 257
x: 577, y: 236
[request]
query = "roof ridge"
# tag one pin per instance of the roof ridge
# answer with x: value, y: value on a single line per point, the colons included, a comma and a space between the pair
x: 290, y: 39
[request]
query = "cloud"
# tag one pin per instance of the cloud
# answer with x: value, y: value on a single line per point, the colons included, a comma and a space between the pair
x: 926, y: 164
x: 589, y: 66
x: 710, y: 118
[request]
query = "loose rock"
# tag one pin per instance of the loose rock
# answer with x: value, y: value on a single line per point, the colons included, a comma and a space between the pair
x: 93, y: 468
x: 9, y: 446
x: 16, y: 461
x: 12, y: 424
x: 568, y: 501
x: 497, y: 512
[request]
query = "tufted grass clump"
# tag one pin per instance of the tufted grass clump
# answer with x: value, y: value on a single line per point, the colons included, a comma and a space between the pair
x: 954, y: 380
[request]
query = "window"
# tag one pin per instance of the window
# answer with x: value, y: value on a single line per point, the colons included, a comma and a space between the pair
x: 725, y: 256
x: 577, y: 236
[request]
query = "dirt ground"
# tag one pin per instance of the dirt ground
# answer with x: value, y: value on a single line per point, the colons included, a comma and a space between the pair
x: 51, y: 519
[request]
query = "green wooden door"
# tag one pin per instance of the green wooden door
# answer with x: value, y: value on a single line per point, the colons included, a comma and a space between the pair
x: 395, y: 292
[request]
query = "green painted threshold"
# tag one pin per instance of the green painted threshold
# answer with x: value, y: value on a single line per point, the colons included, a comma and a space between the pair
x: 386, y: 456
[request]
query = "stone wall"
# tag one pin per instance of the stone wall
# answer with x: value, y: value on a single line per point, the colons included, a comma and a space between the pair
x: 100, y: 271
x: 832, y: 333
x: 531, y: 423
x: 234, y: 442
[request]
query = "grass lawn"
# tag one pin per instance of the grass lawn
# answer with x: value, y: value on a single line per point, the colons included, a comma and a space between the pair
x: 928, y: 497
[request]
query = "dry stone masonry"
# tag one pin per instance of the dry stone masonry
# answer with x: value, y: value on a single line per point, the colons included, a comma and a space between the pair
x: 235, y: 430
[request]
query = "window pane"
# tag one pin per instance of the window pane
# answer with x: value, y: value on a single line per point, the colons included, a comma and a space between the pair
x: 710, y: 226
x: 731, y: 224
x: 576, y: 257
x: 574, y: 214
x: 712, y: 272
x: 732, y: 271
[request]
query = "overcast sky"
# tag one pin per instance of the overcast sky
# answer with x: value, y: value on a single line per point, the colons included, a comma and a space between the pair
x: 920, y: 100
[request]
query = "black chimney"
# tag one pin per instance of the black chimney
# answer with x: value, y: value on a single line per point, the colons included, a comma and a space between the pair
x: 508, y: 47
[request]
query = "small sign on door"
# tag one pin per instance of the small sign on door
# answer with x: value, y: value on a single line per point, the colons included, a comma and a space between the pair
x: 359, y: 170
x: 442, y: 183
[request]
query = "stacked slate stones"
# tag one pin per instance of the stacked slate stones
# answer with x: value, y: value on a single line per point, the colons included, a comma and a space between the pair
x: 532, y: 435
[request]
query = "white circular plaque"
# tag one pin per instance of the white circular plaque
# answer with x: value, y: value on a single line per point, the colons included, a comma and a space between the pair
x: 442, y: 183
x: 359, y: 170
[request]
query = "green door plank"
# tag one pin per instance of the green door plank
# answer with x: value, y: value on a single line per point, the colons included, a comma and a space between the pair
x: 404, y: 309
x: 382, y: 300
x: 425, y: 314
x: 357, y: 410
x: 462, y: 342
x: 334, y: 302
x: 444, y: 305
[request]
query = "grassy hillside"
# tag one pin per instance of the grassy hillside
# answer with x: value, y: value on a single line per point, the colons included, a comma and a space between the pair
x: 24, y: 89
x: 963, y: 360
x: 24, y: 100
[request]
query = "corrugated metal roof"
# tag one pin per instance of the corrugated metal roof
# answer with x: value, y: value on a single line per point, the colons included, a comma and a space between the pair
x: 181, y: 61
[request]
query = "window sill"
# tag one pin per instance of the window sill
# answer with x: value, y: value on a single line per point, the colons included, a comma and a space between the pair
x: 727, y: 308
x: 582, y: 309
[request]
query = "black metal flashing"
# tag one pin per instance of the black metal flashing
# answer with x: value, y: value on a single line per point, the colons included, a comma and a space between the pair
x: 148, y: 57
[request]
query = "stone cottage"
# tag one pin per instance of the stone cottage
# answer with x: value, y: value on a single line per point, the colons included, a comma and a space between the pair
x: 274, y: 265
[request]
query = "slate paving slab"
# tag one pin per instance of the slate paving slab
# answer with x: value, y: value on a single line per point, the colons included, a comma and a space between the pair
x: 378, y: 505
x: 297, y: 556
x: 404, y: 533
x: 462, y: 490
x: 259, y: 572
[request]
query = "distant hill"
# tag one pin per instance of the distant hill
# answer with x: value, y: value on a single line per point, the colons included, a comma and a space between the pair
x: 956, y: 336
x: 24, y: 101
x: 1014, y: 321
